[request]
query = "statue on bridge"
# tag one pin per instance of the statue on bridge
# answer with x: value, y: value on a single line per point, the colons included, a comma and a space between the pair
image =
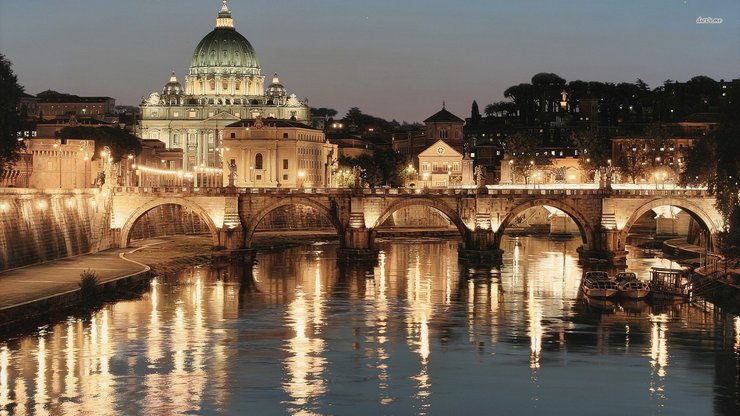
x: 100, y: 180
x: 232, y: 173
x: 357, y: 174
x: 480, y: 176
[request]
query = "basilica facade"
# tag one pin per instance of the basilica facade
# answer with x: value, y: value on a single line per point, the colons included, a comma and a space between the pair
x: 224, y: 85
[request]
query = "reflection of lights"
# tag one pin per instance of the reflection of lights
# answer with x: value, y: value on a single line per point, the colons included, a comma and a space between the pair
x: 535, y: 329
x: 40, y: 396
x: 306, y: 365
x: 70, y: 381
x: 737, y: 334
x: 4, y: 388
x: 658, y: 352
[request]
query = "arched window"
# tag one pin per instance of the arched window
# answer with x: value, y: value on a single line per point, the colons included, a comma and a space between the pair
x: 258, y: 161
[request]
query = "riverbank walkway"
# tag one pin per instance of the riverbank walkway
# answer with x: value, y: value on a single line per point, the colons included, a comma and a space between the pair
x: 33, y: 283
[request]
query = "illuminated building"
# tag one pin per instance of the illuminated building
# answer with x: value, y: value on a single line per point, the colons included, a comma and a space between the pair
x: 52, y: 104
x: 224, y: 84
x: 441, y: 166
x: 443, y: 125
x: 278, y: 153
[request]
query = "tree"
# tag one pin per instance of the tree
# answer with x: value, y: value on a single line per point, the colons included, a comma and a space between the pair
x: 648, y: 156
x: 594, y: 150
x: 384, y: 167
x: 474, y: 112
x: 10, y: 122
x: 525, y: 156
x: 713, y: 162
x: 501, y: 109
x: 324, y: 112
x: 523, y: 96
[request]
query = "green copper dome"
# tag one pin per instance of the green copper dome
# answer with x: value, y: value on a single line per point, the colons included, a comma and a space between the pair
x: 224, y: 48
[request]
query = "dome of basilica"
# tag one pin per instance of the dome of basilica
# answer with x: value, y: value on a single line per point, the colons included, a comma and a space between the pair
x: 173, y: 87
x: 276, y: 89
x: 224, y: 48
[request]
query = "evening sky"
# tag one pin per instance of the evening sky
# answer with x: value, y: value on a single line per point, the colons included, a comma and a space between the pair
x: 394, y: 59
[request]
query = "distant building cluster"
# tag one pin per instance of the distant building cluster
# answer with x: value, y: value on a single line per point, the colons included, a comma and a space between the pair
x: 225, y: 126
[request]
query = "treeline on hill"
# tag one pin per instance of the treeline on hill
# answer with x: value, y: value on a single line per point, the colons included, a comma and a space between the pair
x: 538, y: 101
x: 120, y: 142
x: 357, y: 121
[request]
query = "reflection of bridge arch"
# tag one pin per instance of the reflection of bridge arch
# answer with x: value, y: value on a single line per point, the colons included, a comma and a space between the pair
x: 696, y: 212
x: 142, y: 210
x: 328, y: 212
x: 582, y: 223
x: 437, y: 205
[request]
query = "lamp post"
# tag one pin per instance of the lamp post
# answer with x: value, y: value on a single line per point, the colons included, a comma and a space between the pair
x: 105, y: 159
x: 128, y: 170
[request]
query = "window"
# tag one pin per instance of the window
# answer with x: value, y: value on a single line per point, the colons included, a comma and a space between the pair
x: 192, y: 114
x: 425, y: 167
x: 258, y: 161
x: 285, y: 177
x: 175, y: 114
x: 175, y: 139
x: 443, y: 133
x: 233, y: 135
x: 155, y: 113
x: 285, y: 163
x: 456, y: 166
x: 285, y: 135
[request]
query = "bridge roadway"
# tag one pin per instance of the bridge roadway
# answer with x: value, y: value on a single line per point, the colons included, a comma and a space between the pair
x: 604, y: 215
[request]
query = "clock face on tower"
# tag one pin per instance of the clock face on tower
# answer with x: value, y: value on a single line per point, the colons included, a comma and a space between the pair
x: 440, y: 150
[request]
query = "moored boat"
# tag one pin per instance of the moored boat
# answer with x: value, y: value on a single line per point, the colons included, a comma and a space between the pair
x: 596, y: 284
x: 669, y: 283
x: 630, y: 287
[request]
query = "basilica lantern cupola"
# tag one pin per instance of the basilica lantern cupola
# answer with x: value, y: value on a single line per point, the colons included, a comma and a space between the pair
x: 224, y: 67
x: 276, y: 91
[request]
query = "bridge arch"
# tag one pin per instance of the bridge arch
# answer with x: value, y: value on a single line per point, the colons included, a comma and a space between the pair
x: 437, y: 205
x: 185, y: 203
x: 584, y: 226
x: 695, y: 211
x: 328, y: 212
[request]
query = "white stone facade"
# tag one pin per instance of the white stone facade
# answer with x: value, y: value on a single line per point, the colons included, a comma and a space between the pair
x: 224, y: 84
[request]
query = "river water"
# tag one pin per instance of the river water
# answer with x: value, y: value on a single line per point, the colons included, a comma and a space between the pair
x: 418, y: 333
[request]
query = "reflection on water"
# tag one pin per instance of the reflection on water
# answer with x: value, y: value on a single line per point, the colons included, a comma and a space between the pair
x: 296, y: 332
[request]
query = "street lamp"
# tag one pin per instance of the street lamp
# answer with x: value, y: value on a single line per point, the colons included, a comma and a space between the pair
x: 301, y: 175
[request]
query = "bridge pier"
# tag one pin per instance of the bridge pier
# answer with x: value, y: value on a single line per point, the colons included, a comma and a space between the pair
x: 231, y: 239
x: 358, y: 244
x: 480, y: 245
x: 606, y: 246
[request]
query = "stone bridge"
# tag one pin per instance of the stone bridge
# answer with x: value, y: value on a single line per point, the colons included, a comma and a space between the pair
x: 604, y: 216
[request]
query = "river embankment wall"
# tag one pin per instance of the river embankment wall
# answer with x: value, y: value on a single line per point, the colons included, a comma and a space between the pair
x: 38, y: 225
